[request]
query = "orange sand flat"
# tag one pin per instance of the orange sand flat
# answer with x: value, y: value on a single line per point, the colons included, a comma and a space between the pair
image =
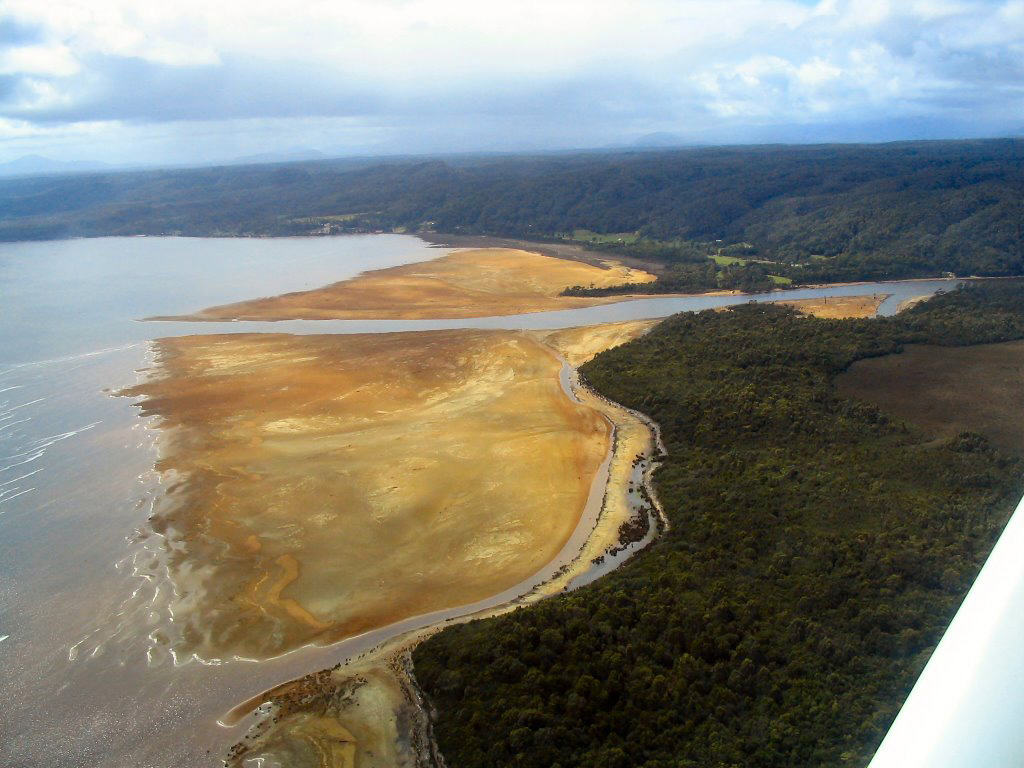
x: 839, y: 307
x: 380, y: 717
x: 328, y: 485
x: 472, y: 283
x: 582, y: 344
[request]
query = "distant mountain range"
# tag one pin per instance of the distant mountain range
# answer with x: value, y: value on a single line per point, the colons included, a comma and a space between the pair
x: 660, y: 139
x: 38, y: 165
x: 290, y: 155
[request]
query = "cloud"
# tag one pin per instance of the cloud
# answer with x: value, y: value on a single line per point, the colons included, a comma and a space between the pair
x: 512, y: 74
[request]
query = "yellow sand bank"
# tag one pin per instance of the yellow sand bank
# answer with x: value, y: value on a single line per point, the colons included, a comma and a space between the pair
x: 579, y: 345
x: 332, y: 484
x: 383, y: 713
x: 839, y: 307
x: 472, y: 283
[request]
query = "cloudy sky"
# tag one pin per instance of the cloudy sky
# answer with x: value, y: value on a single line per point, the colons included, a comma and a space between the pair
x: 193, y: 81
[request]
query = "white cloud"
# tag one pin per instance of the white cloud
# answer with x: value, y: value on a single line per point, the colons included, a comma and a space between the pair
x: 53, y: 60
x: 677, y: 65
x: 817, y: 71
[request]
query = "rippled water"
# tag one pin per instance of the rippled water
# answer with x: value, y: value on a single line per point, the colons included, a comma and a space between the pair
x: 81, y: 682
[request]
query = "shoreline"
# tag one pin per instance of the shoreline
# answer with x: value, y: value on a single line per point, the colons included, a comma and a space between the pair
x: 843, y: 307
x: 566, y: 250
x: 461, y: 284
x: 913, y: 301
x: 469, y: 283
x: 777, y: 295
x: 394, y: 644
x: 632, y: 434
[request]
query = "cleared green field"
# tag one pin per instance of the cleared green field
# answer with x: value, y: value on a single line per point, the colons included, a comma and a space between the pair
x: 342, y: 217
x: 728, y: 261
x: 335, y: 218
x: 588, y: 236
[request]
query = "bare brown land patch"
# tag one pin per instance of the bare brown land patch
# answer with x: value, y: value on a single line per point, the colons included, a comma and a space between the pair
x: 473, y: 283
x: 327, y: 485
x: 948, y: 390
x: 839, y: 307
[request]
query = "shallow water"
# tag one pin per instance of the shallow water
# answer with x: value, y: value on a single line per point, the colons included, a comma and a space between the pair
x: 638, y: 309
x: 76, y: 483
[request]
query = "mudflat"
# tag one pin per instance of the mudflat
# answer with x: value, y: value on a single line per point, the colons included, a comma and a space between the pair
x: 472, y: 283
x: 582, y: 344
x: 367, y: 710
x: 839, y: 307
x: 948, y: 390
x: 322, y: 486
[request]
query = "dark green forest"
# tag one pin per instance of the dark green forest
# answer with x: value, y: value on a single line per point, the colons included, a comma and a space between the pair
x: 817, y: 551
x: 807, y: 214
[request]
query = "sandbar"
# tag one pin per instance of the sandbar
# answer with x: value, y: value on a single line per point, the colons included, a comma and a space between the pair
x: 580, y: 345
x: 481, y: 282
x: 913, y: 301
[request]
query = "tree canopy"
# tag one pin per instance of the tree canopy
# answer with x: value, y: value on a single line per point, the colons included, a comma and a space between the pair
x: 817, y: 213
x: 817, y: 551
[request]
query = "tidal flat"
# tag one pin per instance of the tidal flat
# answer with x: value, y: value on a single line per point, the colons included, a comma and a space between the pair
x: 323, y: 486
x: 479, y: 282
x: 369, y: 711
x: 87, y: 676
x: 839, y: 307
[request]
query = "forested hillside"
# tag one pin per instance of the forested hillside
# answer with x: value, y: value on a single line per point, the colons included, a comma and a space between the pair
x: 801, y: 213
x: 817, y: 552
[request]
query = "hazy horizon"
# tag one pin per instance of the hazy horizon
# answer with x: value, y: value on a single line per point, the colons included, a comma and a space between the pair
x: 42, y: 165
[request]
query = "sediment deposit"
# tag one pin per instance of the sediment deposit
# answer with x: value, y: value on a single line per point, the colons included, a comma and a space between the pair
x: 321, y: 486
x: 472, y: 283
x: 839, y: 307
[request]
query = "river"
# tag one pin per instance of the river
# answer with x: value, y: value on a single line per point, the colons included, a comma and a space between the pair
x: 81, y: 683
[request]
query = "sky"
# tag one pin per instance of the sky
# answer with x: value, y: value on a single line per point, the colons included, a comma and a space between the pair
x: 201, y: 81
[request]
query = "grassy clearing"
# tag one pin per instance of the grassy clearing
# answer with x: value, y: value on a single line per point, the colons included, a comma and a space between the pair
x: 728, y: 261
x: 342, y: 217
x: 587, y: 236
x: 944, y: 391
